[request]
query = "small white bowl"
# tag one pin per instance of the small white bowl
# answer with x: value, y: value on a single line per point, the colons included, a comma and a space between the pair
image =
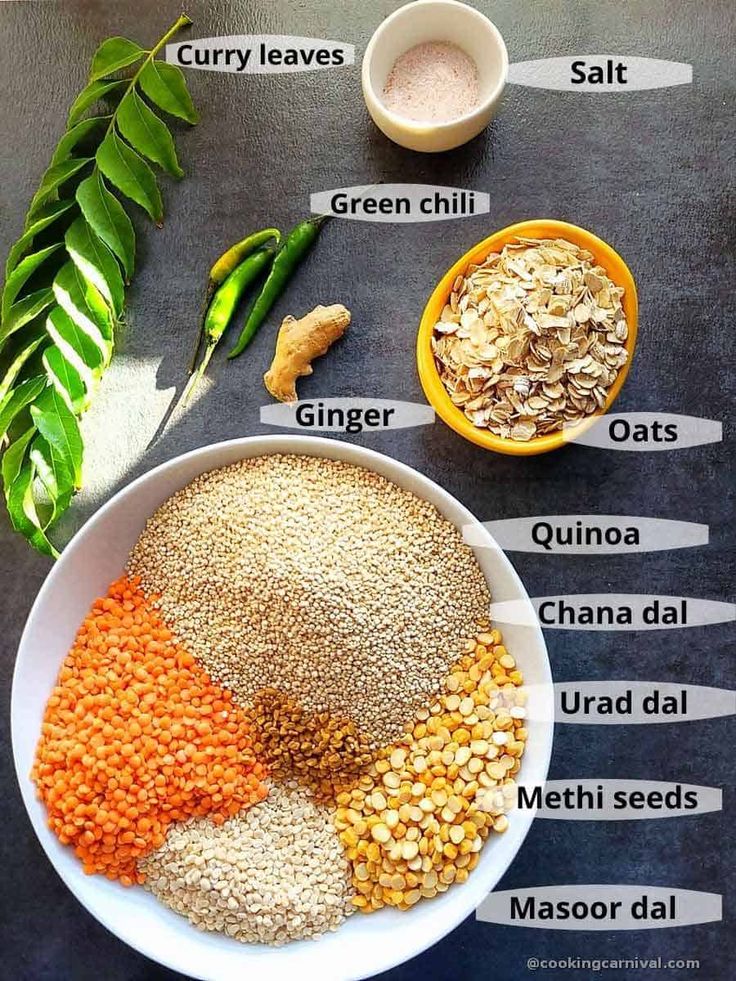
x: 435, y: 20
x: 364, y: 945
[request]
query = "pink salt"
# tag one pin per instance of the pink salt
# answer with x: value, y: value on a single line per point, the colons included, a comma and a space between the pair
x: 434, y: 82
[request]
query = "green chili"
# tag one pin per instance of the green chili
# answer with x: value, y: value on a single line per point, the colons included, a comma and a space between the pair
x: 224, y: 305
x: 223, y: 268
x: 290, y: 253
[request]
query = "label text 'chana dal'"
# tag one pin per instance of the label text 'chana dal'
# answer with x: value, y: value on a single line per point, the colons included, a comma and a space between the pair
x: 588, y: 534
x: 613, y: 611
x: 600, y: 73
x: 600, y: 907
x: 260, y: 54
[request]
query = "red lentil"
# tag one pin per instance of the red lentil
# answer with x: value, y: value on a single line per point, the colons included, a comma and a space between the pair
x: 136, y: 736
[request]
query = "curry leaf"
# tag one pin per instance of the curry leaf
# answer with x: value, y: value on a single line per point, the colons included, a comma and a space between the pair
x: 89, y: 95
x: 87, y: 354
x: 96, y: 262
x: 22, y: 273
x: 164, y: 84
x: 22, y: 509
x: 45, y: 216
x: 142, y: 128
x: 66, y: 379
x: 113, y: 54
x: 57, y: 423
x: 54, y: 474
x: 64, y: 289
x: 15, y: 401
x: 107, y: 217
x: 85, y: 305
x: 51, y: 181
x: 130, y: 174
x: 78, y: 134
x: 24, y: 311
x: 32, y: 343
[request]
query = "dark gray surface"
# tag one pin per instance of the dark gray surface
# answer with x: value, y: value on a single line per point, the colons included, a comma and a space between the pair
x: 653, y: 173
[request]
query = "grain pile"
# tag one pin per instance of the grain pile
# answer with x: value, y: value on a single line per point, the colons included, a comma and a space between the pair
x: 274, y: 875
x: 416, y: 821
x: 532, y: 339
x: 349, y: 594
x: 135, y: 736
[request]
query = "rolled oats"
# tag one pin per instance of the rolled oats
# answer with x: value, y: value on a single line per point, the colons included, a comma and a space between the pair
x: 531, y: 340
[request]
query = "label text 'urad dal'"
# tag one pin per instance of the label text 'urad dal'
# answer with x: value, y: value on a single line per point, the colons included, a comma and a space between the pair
x: 588, y: 534
x: 603, y: 702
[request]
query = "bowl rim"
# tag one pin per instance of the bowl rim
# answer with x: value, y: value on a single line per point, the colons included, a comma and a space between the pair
x: 416, y: 126
x: 435, y: 391
x: 60, y: 857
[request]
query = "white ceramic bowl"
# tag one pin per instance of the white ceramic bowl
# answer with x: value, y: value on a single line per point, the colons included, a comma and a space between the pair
x: 364, y: 945
x: 435, y: 20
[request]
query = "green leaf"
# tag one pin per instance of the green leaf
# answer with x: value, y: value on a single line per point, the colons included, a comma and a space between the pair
x: 130, y: 174
x: 97, y: 263
x: 54, y: 177
x: 58, y: 425
x: 146, y: 133
x: 45, y: 216
x: 13, y: 457
x: 106, y: 215
x: 114, y: 53
x: 87, y: 354
x: 165, y: 85
x: 66, y: 380
x: 15, y: 401
x: 22, y: 509
x: 23, y: 272
x: 88, y: 96
x: 32, y: 344
x: 77, y: 134
x: 55, y: 476
x: 24, y: 311
x: 86, y: 306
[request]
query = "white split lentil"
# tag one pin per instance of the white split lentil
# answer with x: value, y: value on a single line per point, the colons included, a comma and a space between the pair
x: 318, y: 578
x: 272, y: 874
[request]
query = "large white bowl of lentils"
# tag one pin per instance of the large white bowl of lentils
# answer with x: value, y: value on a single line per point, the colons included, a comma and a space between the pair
x: 363, y: 945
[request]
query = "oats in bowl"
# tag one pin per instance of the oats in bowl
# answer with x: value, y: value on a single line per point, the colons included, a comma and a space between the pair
x: 531, y: 340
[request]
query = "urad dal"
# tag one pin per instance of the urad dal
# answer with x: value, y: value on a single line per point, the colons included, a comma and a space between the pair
x: 532, y: 339
x: 277, y: 873
x: 318, y: 578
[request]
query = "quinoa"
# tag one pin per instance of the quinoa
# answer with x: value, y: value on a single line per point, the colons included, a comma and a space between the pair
x: 318, y: 578
x: 276, y: 874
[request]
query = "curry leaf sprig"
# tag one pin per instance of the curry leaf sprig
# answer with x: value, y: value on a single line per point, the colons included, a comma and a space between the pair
x: 65, y: 276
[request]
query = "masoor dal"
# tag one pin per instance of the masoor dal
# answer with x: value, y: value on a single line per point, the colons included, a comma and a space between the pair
x: 344, y: 591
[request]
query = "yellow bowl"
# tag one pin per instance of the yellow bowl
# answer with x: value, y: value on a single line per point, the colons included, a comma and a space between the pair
x: 435, y: 391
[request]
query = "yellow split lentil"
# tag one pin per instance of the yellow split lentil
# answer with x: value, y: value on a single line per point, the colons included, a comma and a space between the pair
x: 416, y: 821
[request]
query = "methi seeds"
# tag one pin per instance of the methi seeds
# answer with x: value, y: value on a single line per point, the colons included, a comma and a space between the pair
x: 311, y: 574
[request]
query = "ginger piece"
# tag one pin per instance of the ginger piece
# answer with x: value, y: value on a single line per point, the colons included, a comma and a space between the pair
x: 301, y: 341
